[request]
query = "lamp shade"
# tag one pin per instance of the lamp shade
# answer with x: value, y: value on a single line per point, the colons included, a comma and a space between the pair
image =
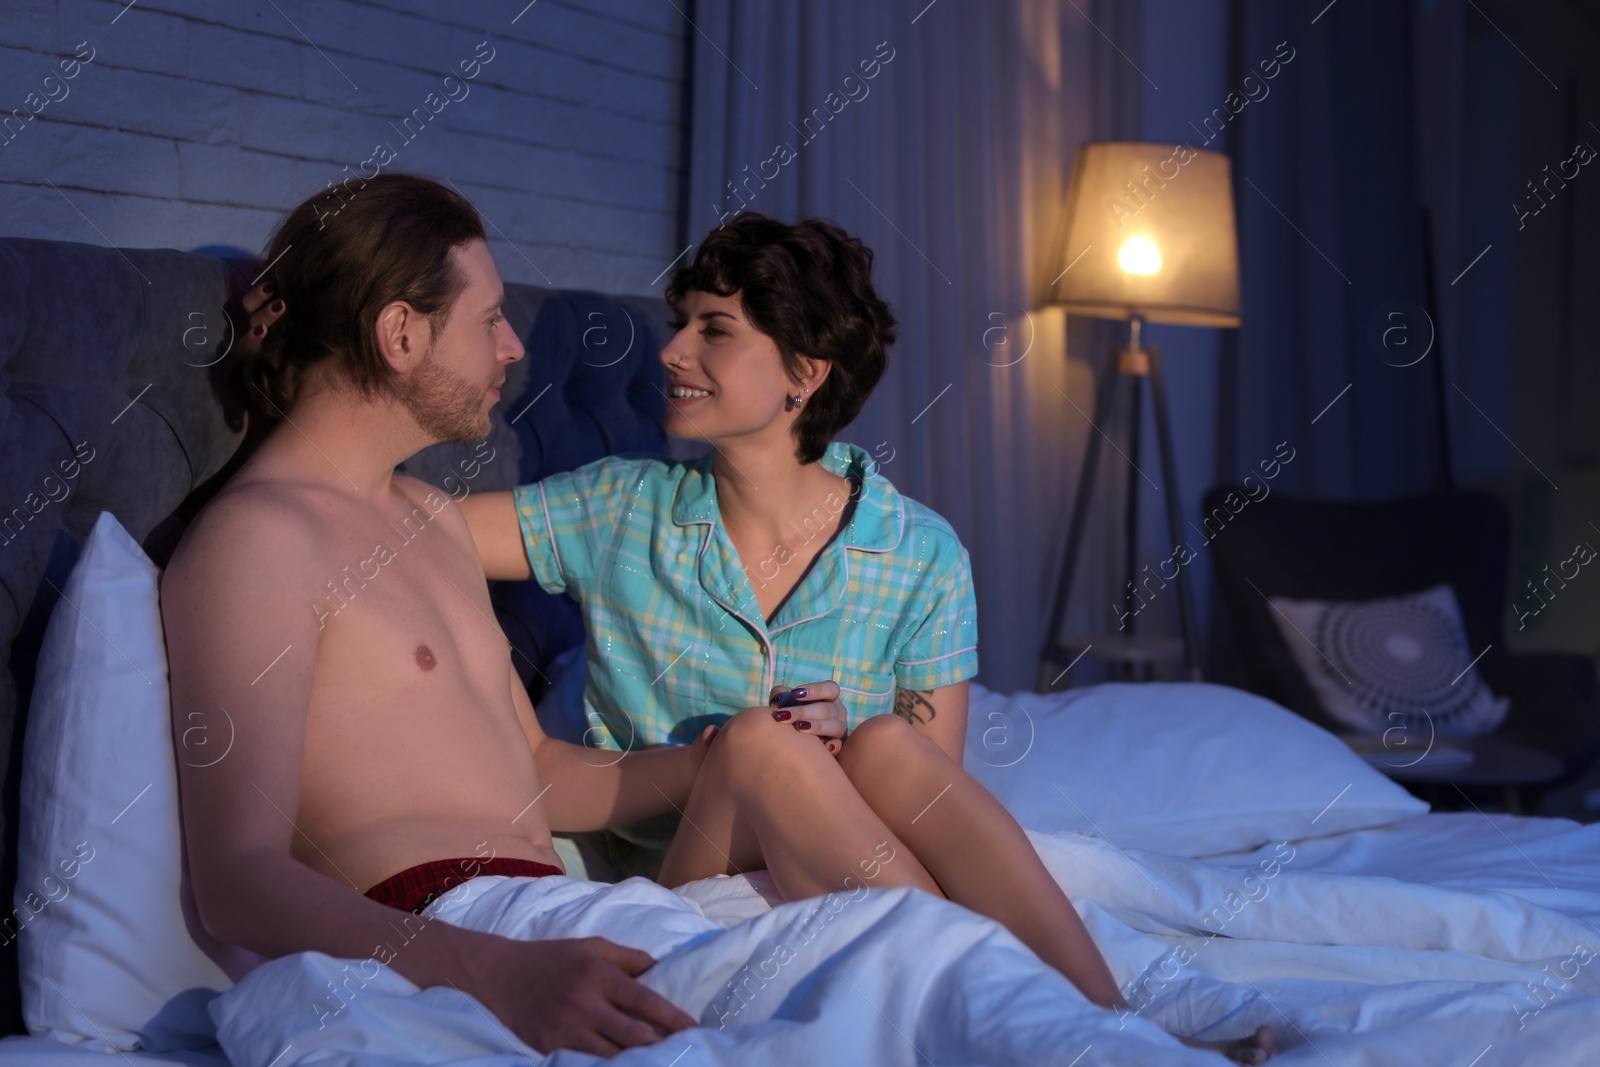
x: 1150, y: 232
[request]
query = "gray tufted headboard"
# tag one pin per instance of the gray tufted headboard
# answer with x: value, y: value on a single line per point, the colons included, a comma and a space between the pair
x: 116, y: 395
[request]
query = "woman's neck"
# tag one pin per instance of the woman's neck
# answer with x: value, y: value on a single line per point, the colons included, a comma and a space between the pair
x: 762, y: 491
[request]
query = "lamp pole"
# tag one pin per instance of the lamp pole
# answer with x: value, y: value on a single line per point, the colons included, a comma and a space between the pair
x: 1133, y: 363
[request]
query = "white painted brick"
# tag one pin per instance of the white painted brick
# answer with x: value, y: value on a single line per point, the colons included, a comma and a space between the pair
x: 39, y: 211
x: 229, y: 14
x: 554, y: 74
x: 400, y: 38
x: 85, y: 100
x: 25, y: 157
x: 326, y: 24
x: 229, y: 175
x: 112, y: 161
x: 178, y: 108
x: 29, y: 24
x: 604, y: 229
x: 493, y: 111
x: 201, y: 121
x: 596, y: 37
x: 140, y: 222
x: 225, y: 56
x: 138, y: 38
x: 658, y: 18
x: 355, y: 83
x: 300, y: 128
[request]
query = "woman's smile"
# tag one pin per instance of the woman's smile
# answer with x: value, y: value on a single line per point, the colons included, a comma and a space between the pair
x: 687, y: 395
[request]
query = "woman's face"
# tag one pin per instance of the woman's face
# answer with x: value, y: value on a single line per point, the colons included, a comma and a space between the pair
x: 725, y: 378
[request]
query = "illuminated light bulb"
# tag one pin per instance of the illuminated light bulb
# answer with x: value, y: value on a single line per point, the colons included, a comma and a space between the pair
x: 1139, y: 255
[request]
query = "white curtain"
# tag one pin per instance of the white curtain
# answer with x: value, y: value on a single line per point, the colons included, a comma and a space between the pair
x: 943, y: 134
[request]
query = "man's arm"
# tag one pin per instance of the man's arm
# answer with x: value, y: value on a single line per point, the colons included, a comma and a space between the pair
x: 242, y: 638
x: 941, y: 714
x: 492, y: 518
x: 594, y: 788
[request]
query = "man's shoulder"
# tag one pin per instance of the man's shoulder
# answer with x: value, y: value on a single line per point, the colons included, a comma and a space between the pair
x: 253, y: 523
x: 439, y: 506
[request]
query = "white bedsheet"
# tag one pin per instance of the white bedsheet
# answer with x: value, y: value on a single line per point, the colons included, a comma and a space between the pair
x: 1443, y: 939
x: 828, y: 980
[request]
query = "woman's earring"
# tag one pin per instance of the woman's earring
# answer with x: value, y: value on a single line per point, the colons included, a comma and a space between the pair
x: 790, y: 403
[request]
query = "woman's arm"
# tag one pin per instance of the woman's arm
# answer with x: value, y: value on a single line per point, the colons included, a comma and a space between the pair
x: 940, y: 714
x: 492, y: 518
x: 595, y: 788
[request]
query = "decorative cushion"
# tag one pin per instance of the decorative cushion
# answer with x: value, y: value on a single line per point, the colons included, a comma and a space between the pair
x: 1400, y: 662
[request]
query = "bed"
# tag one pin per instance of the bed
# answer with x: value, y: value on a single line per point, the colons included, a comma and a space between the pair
x: 1236, y: 864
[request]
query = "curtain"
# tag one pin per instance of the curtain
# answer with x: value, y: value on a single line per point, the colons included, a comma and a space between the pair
x: 942, y: 134
x: 1336, y: 305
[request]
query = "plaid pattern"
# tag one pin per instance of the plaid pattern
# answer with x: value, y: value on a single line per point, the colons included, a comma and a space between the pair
x: 675, y: 637
x: 414, y: 888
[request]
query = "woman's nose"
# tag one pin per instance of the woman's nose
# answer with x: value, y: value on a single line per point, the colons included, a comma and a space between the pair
x: 673, y: 356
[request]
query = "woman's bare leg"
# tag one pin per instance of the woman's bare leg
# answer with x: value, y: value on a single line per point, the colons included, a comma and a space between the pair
x: 984, y: 861
x: 768, y: 796
x: 972, y: 846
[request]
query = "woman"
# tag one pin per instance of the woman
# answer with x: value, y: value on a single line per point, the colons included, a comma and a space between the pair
x: 784, y: 556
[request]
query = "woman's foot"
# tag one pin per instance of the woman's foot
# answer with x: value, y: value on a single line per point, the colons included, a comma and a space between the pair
x: 1257, y: 1048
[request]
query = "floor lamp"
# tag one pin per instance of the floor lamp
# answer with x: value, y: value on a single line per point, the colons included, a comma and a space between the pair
x: 1150, y: 238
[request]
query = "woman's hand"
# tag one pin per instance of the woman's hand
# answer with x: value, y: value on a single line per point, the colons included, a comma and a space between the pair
x: 813, y: 708
x: 261, y: 312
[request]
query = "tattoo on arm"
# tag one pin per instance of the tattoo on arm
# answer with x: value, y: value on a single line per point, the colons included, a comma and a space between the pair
x: 913, y: 706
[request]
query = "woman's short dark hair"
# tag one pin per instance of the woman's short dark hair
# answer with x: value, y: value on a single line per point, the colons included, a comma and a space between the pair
x: 337, y: 260
x: 809, y: 288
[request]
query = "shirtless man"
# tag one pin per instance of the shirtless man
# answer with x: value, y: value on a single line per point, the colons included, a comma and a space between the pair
x: 335, y: 614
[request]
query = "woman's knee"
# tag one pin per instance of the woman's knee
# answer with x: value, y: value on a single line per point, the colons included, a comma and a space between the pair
x: 877, y: 737
x: 754, y: 741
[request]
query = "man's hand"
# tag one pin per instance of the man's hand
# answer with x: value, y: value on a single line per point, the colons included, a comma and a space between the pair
x: 813, y: 708
x: 580, y: 994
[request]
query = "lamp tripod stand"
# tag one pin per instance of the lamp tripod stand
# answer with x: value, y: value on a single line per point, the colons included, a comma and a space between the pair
x: 1132, y: 364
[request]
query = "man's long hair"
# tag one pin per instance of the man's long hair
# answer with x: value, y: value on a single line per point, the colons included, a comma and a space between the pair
x: 337, y: 260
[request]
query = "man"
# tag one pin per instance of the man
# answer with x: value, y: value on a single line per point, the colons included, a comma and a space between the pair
x: 336, y: 613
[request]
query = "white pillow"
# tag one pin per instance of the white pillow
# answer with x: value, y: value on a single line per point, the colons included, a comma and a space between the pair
x: 1182, y: 768
x: 112, y: 953
x: 1395, y: 663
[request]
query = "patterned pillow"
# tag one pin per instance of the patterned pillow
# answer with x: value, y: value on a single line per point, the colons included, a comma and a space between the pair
x: 1402, y: 662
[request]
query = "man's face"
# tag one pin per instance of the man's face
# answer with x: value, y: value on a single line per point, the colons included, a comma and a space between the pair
x: 451, y: 391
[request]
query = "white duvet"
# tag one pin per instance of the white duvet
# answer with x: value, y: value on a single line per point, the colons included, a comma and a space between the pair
x: 1467, y: 939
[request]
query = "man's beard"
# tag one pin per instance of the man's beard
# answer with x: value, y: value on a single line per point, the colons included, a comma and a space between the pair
x: 446, y: 407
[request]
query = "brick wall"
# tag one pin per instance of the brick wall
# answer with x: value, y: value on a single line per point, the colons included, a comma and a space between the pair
x: 189, y: 123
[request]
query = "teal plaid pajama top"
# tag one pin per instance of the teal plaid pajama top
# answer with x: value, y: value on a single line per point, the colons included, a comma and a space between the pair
x: 675, y: 639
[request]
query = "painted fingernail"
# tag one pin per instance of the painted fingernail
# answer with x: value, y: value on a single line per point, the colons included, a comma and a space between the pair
x: 781, y: 716
x: 798, y: 694
x: 267, y: 287
x: 258, y: 331
x: 802, y: 724
x: 277, y: 305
